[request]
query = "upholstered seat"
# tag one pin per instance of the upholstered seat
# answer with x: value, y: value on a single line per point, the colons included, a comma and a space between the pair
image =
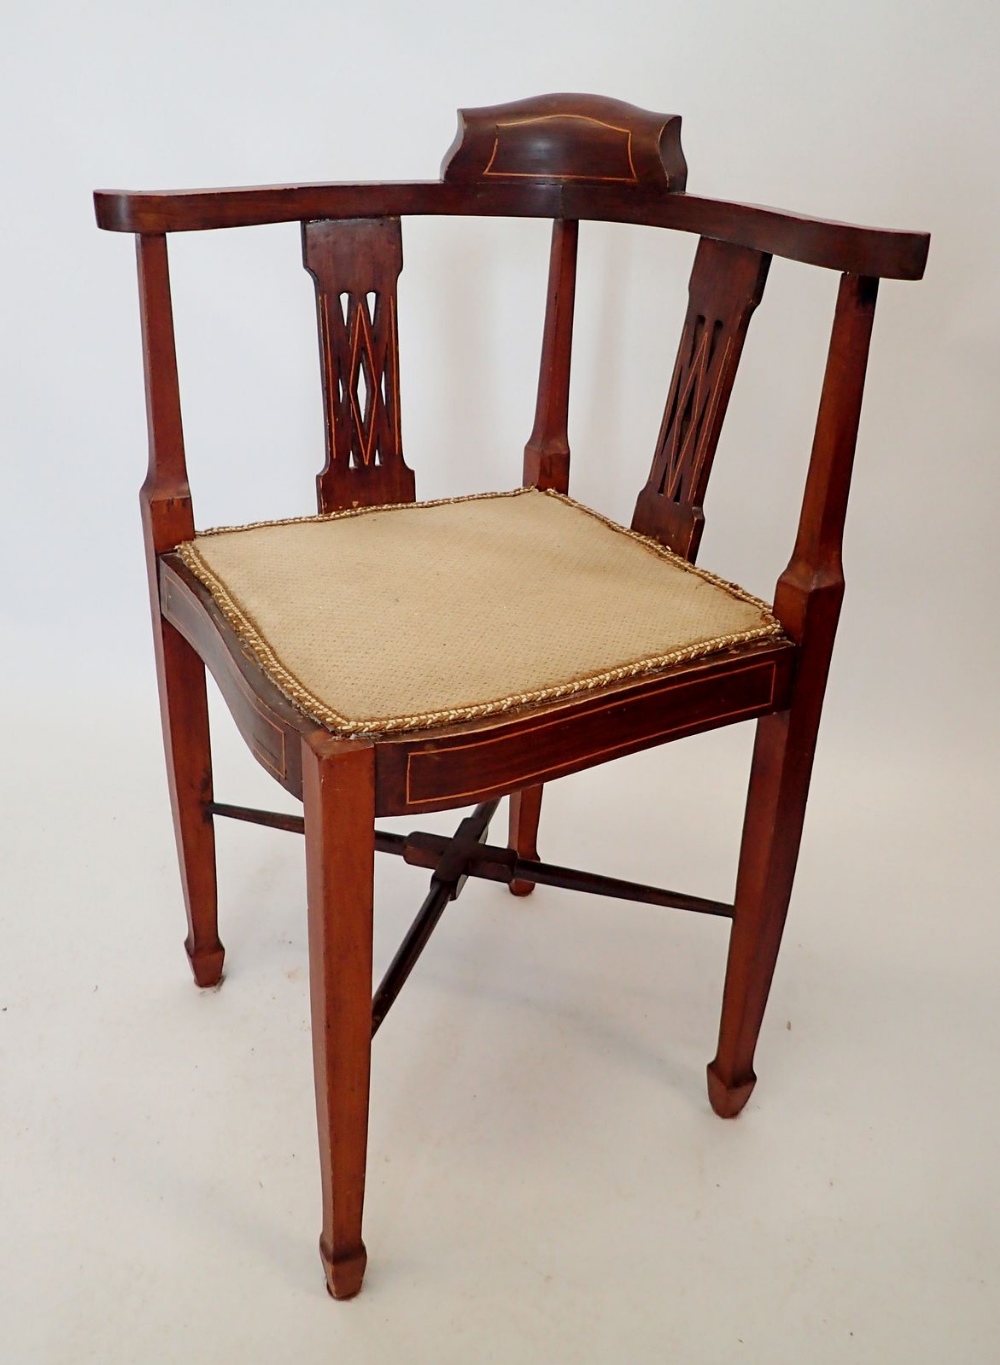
x: 423, y: 614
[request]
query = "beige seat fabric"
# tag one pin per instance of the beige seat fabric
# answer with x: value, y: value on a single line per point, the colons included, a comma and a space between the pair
x: 403, y: 617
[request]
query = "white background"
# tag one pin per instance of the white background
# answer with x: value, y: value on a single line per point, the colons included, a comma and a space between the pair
x: 547, y: 1182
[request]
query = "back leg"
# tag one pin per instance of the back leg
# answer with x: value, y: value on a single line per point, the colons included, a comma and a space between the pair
x: 184, y: 713
x: 525, y: 811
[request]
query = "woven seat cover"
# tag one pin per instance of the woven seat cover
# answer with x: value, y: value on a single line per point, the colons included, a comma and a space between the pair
x: 411, y: 616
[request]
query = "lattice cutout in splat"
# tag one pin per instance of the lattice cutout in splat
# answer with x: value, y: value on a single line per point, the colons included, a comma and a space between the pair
x: 365, y: 383
x: 355, y: 264
x: 726, y: 285
x: 687, y: 419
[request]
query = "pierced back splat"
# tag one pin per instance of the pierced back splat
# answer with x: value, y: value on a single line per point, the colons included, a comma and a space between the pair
x: 726, y: 285
x: 355, y: 264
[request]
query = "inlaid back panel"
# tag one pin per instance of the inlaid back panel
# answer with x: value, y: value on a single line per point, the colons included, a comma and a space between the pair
x: 355, y: 264
x: 726, y: 285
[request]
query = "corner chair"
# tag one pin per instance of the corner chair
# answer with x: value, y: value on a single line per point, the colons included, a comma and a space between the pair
x: 352, y: 646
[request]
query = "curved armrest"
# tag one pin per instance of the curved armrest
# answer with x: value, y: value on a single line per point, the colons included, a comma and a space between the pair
x: 835, y: 246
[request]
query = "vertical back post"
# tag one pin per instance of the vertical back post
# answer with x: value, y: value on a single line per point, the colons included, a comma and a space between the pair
x: 167, y: 519
x: 168, y: 516
x: 809, y: 592
x: 546, y: 464
x: 546, y: 456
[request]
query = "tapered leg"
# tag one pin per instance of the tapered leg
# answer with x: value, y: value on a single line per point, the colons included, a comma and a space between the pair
x: 525, y: 812
x: 807, y: 603
x: 772, y: 830
x: 338, y: 788
x: 184, y: 711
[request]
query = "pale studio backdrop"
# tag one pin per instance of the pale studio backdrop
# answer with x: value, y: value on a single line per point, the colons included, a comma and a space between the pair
x: 872, y: 111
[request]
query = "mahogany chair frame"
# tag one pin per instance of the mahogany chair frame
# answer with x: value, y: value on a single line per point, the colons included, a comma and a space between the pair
x: 568, y: 158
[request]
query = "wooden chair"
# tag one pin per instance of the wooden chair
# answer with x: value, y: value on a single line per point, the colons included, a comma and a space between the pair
x: 308, y: 626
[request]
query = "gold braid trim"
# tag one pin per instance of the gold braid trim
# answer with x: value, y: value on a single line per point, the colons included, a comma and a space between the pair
x: 366, y: 511
x: 292, y: 688
x: 672, y: 557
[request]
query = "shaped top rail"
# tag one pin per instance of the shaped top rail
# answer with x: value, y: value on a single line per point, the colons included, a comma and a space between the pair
x: 568, y: 137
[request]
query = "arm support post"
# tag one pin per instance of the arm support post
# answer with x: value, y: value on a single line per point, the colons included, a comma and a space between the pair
x: 546, y: 456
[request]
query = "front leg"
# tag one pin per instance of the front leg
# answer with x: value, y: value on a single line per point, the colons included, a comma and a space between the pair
x: 338, y: 781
